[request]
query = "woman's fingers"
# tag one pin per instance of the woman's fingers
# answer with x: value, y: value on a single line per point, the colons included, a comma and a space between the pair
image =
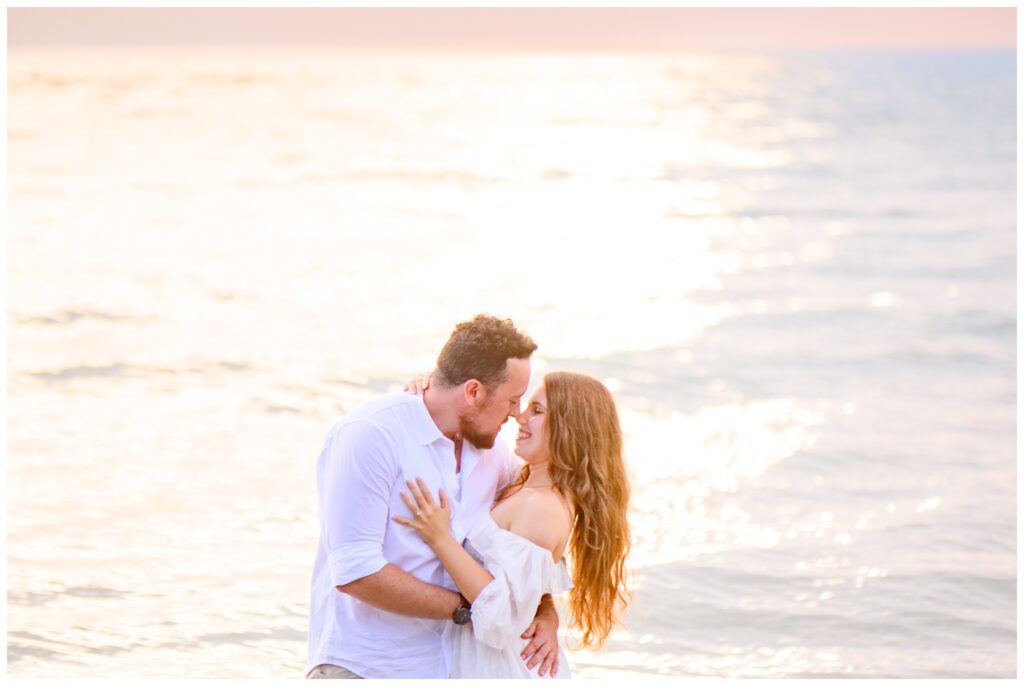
x: 421, y: 502
x: 421, y: 499
x: 424, y: 491
x: 418, y: 384
x: 413, y: 507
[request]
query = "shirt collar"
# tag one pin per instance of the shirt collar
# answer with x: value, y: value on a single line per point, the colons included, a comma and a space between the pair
x: 426, y: 430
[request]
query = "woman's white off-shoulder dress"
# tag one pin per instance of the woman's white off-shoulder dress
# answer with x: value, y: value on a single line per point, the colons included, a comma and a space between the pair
x: 490, y: 647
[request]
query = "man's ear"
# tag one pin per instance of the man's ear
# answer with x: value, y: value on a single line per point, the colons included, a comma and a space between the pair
x: 474, y: 392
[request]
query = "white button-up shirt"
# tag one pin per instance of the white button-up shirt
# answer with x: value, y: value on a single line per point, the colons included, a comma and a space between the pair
x: 361, y: 472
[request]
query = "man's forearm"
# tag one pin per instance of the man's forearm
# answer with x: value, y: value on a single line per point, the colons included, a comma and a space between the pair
x: 397, y: 591
x: 547, y: 605
x: 469, y: 575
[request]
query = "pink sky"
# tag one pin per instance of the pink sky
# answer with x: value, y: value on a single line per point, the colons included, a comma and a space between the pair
x: 545, y: 28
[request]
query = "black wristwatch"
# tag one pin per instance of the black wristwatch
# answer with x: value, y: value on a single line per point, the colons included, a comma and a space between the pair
x: 463, y: 612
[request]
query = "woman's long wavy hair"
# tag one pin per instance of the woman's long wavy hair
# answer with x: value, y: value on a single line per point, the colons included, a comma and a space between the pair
x: 585, y: 444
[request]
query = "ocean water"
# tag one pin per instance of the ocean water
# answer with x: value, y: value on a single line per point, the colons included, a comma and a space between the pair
x: 797, y: 272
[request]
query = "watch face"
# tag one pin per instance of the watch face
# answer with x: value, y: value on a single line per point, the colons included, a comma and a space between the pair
x: 461, y: 616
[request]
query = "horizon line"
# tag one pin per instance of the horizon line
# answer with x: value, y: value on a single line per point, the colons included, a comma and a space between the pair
x: 521, y: 29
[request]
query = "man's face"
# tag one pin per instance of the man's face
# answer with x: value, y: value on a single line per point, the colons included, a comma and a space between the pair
x: 481, y: 427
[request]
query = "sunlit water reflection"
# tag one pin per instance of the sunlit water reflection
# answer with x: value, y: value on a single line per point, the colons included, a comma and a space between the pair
x: 797, y: 275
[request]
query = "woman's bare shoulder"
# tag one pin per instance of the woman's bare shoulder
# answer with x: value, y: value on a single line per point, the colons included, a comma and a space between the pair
x: 541, y: 519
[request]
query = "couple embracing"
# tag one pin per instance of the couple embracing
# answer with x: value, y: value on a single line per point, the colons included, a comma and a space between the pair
x: 439, y: 550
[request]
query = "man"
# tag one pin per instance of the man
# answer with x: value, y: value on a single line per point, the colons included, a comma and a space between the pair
x: 380, y: 599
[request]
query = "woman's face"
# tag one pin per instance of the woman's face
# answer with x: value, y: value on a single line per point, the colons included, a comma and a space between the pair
x: 532, y: 441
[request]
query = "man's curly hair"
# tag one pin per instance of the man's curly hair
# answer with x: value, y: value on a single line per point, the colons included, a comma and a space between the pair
x: 480, y: 349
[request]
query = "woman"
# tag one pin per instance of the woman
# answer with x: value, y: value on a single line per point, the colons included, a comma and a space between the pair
x: 570, y: 497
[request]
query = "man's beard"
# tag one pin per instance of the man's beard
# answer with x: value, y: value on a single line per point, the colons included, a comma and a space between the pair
x: 476, y: 438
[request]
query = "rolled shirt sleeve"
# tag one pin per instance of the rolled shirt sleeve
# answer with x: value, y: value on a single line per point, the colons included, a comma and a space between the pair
x: 358, y: 468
